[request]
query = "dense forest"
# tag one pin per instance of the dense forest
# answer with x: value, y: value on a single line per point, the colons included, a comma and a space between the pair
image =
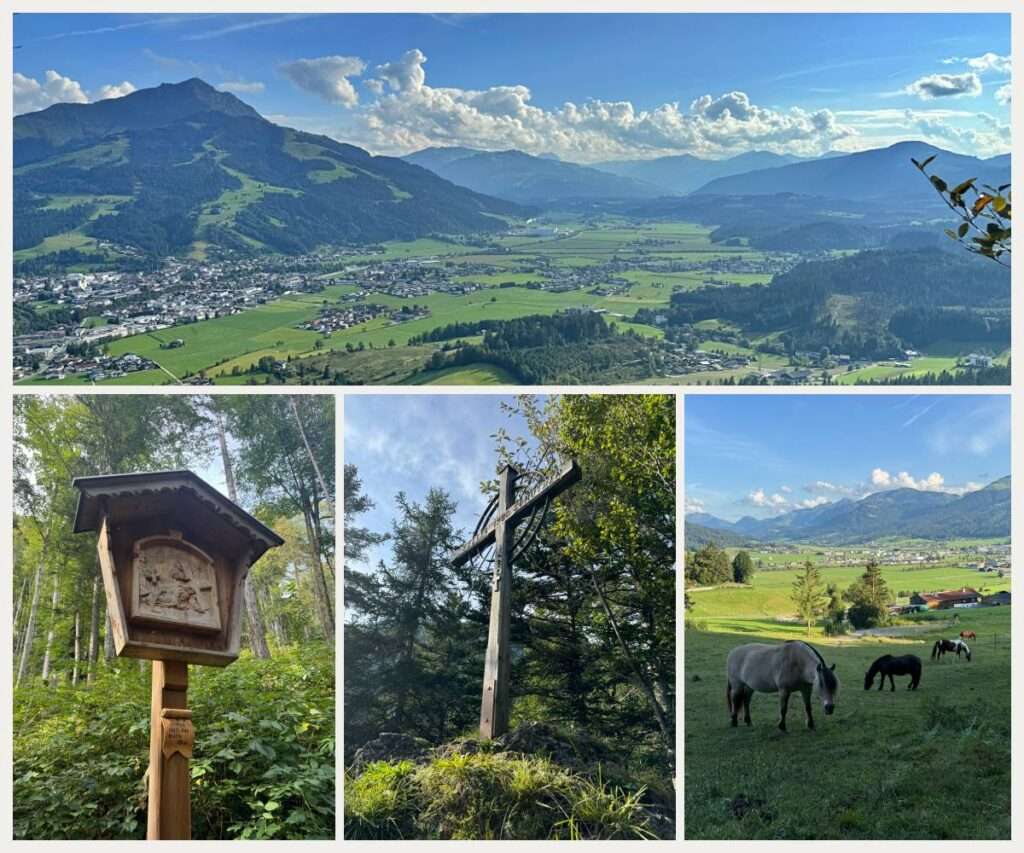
x: 264, y: 756
x: 592, y: 632
x: 884, y: 286
x: 566, y: 348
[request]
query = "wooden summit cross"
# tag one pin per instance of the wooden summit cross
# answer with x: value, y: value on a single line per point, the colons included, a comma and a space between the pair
x: 497, y: 528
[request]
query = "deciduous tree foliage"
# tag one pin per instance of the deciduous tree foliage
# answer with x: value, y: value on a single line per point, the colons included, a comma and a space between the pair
x: 66, y: 685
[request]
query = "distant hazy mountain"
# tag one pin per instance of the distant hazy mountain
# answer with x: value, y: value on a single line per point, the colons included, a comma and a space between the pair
x: 875, y: 174
x: 900, y: 512
x: 685, y: 173
x: 697, y: 536
x: 526, y: 179
x: 184, y: 162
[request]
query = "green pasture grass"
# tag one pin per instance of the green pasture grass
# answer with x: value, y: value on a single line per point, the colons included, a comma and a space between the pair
x: 110, y: 153
x: 500, y: 278
x: 927, y: 764
x: 469, y: 374
x: 919, y: 366
x: 58, y: 243
x: 768, y: 597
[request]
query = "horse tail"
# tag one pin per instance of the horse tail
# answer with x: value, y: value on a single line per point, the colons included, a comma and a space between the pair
x: 935, y: 649
x: 728, y: 696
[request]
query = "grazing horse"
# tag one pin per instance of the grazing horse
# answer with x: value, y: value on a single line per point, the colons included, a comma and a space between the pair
x: 889, y: 666
x: 968, y: 635
x: 795, y: 666
x: 959, y: 646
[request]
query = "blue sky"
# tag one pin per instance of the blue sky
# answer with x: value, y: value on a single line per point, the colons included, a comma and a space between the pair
x: 587, y: 87
x: 412, y: 443
x: 762, y: 455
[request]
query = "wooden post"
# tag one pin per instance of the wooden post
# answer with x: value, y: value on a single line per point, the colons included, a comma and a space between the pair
x: 494, y: 705
x: 170, y: 747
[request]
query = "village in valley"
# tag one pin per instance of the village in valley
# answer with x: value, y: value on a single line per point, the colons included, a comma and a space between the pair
x: 69, y: 321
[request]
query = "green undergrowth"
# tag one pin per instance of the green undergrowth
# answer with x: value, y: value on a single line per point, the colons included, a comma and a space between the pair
x: 263, y: 764
x: 487, y: 796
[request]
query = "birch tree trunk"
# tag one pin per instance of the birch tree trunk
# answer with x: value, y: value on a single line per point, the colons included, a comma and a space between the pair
x: 320, y: 590
x: 254, y: 618
x: 54, y: 600
x: 94, y: 630
x: 30, y: 626
x: 78, y: 646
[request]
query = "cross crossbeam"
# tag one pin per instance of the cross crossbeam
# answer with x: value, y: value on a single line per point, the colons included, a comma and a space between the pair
x: 495, y: 701
x: 568, y: 476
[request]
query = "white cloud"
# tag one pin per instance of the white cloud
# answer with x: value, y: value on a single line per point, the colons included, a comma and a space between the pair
x: 692, y: 504
x: 31, y: 94
x: 409, y: 114
x: 114, y: 90
x: 786, y: 489
x: 1004, y: 94
x: 811, y: 503
x: 327, y: 77
x: 984, y: 63
x: 990, y: 138
x: 240, y: 87
x: 760, y: 498
x: 933, y: 86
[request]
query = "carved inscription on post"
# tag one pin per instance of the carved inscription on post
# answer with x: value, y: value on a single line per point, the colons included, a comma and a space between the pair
x: 174, y: 583
x: 177, y: 733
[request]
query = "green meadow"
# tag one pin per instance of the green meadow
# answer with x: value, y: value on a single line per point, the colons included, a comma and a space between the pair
x: 885, y: 765
x: 927, y: 764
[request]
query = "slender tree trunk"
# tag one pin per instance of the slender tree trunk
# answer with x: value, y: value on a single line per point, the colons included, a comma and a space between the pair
x: 320, y: 591
x: 109, y: 652
x: 17, y: 618
x: 30, y: 625
x: 254, y: 619
x: 54, y: 600
x: 94, y: 629
x: 78, y: 646
x: 309, y: 452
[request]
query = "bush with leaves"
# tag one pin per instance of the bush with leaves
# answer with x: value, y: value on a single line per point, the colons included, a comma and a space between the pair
x: 264, y: 754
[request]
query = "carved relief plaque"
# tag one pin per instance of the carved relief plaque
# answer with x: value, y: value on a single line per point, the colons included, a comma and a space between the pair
x: 174, y: 584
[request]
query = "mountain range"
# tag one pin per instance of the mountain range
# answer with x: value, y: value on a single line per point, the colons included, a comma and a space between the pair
x: 683, y: 173
x: 179, y: 166
x: 526, y: 179
x: 874, y: 174
x: 183, y: 163
x: 905, y: 513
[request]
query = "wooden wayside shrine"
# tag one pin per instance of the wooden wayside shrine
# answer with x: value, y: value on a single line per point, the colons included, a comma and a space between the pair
x: 499, y: 532
x: 174, y: 554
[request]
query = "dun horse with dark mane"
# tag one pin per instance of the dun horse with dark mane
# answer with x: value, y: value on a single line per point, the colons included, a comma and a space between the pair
x: 793, y: 667
x: 889, y: 666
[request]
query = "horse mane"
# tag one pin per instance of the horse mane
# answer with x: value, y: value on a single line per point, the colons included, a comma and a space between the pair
x: 830, y: 677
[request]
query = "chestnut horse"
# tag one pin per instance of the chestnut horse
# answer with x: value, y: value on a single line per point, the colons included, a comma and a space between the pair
x: 968, y: 635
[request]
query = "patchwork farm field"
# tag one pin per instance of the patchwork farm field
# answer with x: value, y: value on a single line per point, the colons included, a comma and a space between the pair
x: 885, y: 765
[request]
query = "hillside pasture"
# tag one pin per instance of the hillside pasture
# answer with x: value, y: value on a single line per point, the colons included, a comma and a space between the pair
x: 927, y: 764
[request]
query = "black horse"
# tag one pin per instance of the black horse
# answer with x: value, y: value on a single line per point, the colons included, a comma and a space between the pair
x: 890, y: 666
